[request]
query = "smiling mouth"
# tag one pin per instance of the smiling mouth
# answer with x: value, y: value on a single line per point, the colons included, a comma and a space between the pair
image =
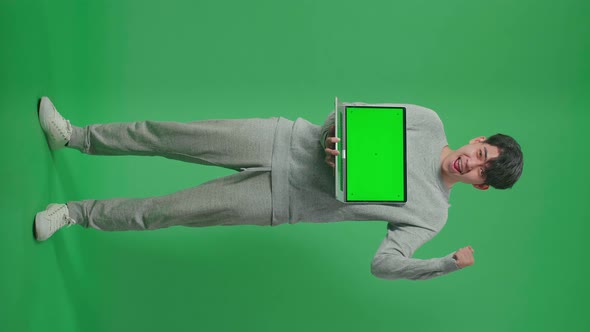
x: 457, y: 165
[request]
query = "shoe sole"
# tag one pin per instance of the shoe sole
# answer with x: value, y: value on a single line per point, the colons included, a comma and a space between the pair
x: 35, y: 227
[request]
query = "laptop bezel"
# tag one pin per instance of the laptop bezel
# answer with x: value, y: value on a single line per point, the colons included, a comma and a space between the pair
x: 341, y: 189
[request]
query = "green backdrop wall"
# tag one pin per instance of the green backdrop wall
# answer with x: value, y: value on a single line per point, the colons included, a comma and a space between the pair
x: 516, y: 67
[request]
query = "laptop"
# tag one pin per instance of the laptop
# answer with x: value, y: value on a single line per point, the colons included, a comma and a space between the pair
x: 371, y: 167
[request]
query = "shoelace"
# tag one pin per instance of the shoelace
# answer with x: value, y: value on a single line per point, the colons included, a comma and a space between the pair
x: 65, y: 221
x: 68, y: 129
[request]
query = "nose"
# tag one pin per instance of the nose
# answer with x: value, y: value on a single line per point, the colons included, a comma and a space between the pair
x: 474, y: 162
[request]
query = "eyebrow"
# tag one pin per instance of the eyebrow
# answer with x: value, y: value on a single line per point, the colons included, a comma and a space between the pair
x: 486, y: 153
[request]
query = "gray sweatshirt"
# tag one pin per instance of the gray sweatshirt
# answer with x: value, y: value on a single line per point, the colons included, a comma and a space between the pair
x: 303, y: 191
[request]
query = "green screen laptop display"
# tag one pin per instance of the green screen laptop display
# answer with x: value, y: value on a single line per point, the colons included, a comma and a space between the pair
x: 371, y: 166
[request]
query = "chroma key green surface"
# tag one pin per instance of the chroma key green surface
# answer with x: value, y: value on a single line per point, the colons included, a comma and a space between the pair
x: 521, y: 68
x: 375, y: 154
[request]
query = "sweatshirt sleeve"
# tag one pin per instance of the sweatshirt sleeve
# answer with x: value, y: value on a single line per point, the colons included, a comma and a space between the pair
x: 326, y: 128
x: 393, y: 259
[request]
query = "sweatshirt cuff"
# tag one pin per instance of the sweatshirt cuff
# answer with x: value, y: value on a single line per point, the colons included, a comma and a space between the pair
x: 449, y: 264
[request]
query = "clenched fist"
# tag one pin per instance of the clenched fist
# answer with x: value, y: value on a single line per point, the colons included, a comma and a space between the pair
x: 464, y: 257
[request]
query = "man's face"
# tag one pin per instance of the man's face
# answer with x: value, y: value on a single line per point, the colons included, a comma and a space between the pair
x: 468, y: 163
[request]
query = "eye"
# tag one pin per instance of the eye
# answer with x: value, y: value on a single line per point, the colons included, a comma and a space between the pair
x: 480, y: 153
x: 481, y: 173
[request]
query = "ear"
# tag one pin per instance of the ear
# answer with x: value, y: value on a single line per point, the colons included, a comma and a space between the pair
x: 477, y: 140
x: 481, y: 186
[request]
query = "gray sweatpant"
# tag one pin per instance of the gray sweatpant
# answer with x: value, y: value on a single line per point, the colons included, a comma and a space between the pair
x: 237, y: 199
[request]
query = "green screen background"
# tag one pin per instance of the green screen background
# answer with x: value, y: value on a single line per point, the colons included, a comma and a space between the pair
x: 375, y: 154
x: 516, y: 67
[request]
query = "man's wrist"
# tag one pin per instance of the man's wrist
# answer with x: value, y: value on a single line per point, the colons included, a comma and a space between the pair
x: 449, y: 263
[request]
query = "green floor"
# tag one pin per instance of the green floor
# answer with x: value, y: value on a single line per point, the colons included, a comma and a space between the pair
x: 517, y: 67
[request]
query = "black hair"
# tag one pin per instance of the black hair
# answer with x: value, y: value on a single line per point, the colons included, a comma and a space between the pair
x: 505, y: 170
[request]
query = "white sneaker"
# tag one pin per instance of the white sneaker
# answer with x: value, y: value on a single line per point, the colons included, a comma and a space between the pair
x: 57, y: 129
x: 49, y: 221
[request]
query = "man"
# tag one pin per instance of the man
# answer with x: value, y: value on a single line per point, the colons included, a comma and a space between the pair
x: 283, y: 178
